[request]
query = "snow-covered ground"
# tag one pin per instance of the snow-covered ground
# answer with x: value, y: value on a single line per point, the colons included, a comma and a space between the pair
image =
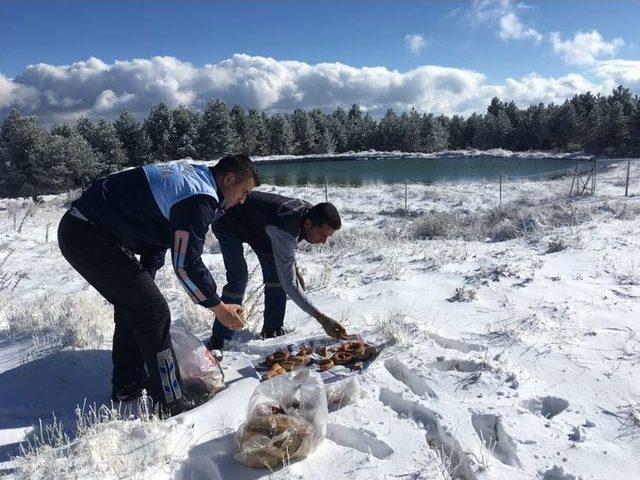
x: 515, y: 359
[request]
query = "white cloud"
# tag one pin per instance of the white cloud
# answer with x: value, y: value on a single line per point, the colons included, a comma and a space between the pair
x: 533, y: 88
x: 619, y: 72
x: 101, y: 90
x: 16, y: 95
x: 511, y: 28
x: 585, y: 47
x: 415, y: 42
x: 504, y: 16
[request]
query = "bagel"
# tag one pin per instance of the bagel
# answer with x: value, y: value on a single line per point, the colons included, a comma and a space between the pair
x: 304, y: 351
x: 342, y: 358
x: 325, y: 364
x: 299, y: 359
x: 322, y: 351
x: 276, y: 357
x: 271, y: 440
x: 274, y: 373
x: 287, y: 365
x: 267, y: 425
x: 352, y: 346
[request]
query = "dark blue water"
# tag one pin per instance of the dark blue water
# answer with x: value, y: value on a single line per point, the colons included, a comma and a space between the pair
x: 366, y: 170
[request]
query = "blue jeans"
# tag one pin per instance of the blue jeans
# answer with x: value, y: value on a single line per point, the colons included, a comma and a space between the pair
x: 275, y: 300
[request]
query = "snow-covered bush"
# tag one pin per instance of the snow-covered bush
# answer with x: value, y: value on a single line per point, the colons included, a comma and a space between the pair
x: 397, y: 328
x: 514, y: 220
x: 81, y: 320
x: 107, y: 446
x: 463, y: 295
x: 556, y: 244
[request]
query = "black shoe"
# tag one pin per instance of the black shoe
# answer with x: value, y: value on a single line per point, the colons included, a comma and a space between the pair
x: 183, y: 404
x: 272, y: 332
x: 126, y: 393
x: 215, y: 343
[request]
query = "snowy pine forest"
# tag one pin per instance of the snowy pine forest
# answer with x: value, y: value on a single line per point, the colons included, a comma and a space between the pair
x: 36, y: 159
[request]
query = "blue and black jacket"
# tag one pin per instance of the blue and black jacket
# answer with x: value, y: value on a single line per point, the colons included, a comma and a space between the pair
x: 158, y: 207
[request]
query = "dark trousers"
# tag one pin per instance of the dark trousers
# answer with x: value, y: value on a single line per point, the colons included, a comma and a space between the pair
x: 275, y: 299
x: 142, y: 318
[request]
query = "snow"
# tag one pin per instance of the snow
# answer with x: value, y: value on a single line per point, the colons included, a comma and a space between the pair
x: 470, y: 152
x: 534, y: 375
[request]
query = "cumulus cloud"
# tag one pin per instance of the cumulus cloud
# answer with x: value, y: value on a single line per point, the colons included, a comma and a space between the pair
x: 619, y: 72
x: 100, y: 90
x: 504, y: 16
x: 585, y: 47
x: 14, y: 94
x: 415, y: 42
x: 511, y: 28
x: 533, y: 88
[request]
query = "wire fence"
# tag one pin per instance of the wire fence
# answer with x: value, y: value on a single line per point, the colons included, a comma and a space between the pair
x: 586, y: 177
x: 583, y: 178
x: 617, y: 177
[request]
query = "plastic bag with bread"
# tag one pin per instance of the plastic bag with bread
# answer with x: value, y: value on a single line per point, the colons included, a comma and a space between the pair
x: 286, y: 420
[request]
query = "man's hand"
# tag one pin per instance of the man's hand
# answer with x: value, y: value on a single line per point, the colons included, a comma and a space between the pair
x: 230, y: 315
x: 331, y: 327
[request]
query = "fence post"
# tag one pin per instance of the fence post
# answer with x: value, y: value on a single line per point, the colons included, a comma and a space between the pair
x: 406, y: 182
x: 500, y: 204
x: 326, y: 190
x: 626, y: 186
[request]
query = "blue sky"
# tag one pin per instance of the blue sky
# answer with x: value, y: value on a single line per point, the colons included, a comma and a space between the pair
x: 497, y: 39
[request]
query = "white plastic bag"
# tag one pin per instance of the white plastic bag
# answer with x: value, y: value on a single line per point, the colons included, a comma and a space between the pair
x: 344, y: 392
x: 200, y: 371
x: 286, y: 420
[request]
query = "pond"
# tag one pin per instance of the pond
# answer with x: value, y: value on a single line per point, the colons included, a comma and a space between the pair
x: 356, y: 171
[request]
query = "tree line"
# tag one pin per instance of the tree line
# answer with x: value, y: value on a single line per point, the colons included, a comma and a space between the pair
x: 36, y: 160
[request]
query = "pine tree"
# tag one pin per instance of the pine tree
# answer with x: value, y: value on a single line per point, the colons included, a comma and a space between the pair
x: 183, y: 136
x: 135, y: 140
x: 623, y: 96
x: 62, y: 129
x: 324, y: 139
x: 304, y: 132
x: 563, y: 123
x: 263, y: 134
x: 634, y: 127
x: 456, y: 133
x: 471, y: 128
x: 239, y: 120
x: 617, y: 131
x: 389, y: 134
x: 281, y: 135
x: 107, y: 144
x: 337, y: 124
x: 410, y: 131
x: 76, y: 163
x: 360, y: 129
x: 595, y: 129
x: 217, y: 133
x: 495, y: 107
x: 26, y: 169
x: 158, y: 126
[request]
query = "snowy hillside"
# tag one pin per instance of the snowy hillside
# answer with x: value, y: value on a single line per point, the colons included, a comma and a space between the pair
x: 514, y: 359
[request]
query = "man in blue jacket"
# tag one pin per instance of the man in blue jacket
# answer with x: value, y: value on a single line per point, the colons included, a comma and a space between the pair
x: 272, y: 225
x: 147, y: 210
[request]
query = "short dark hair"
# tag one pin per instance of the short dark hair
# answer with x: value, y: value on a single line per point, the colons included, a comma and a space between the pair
x: 241, y: 165
x: 324, y: 213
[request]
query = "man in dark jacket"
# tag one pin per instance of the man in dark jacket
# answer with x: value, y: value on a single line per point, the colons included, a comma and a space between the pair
x: 145, y: 211
x: 272, y: 225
